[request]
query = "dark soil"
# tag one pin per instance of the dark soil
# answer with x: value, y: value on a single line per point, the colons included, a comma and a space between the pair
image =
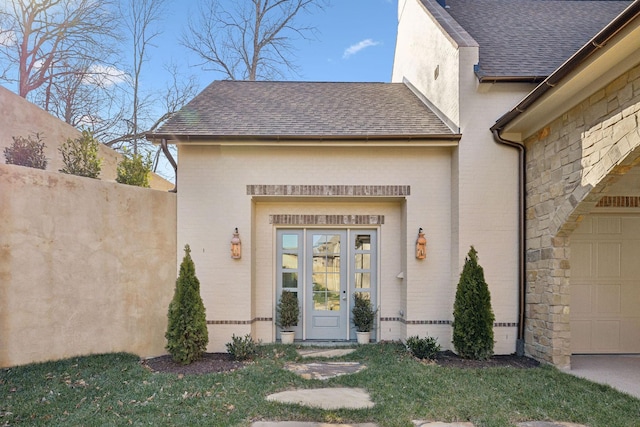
x: 208, y: 363
x: 450, y: 359
x: 222, y: 362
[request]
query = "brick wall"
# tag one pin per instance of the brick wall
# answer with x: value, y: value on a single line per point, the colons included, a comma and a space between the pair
x: 396, y: 190
x: 570, y: 164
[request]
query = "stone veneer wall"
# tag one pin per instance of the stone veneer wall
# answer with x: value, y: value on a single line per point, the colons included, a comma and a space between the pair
x: 570, y: 164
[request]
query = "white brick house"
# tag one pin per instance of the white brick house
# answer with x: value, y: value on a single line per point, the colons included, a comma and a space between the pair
x: 329, y: 183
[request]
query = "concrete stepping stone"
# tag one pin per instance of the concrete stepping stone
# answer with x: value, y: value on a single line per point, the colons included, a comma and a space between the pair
x: 548, y: 424
x: 325, y: 352
x: 306, y: 424
x: 324, y: 371
x: 439, y: 424
x: 325, y: 398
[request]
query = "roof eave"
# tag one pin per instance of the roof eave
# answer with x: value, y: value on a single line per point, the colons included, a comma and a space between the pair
x: 511, y: 79
x: 576, y: 60
x: 448, y: 138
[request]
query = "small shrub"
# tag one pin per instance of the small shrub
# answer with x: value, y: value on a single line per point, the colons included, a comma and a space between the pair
x: 287, y: 311
x: 134, y: 169
x: 26, y: 152
x: 80, y: 156
x: 423, y: 348
x: 363, y: 313
x: 242, y: 348
x: 187, y: 334
x: 472, y: 314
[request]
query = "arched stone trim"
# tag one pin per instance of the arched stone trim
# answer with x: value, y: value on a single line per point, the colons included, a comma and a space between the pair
x: 571, y: 163
x: 621, y: 146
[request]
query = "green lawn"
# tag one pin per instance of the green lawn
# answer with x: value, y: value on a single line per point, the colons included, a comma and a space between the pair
x: 116, y: 389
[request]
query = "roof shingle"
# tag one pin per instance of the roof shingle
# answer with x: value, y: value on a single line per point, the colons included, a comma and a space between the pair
x: 530, y: 38
x: 303, y: 109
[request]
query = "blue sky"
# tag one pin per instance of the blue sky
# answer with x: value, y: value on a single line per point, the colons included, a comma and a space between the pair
x: 355, y: 42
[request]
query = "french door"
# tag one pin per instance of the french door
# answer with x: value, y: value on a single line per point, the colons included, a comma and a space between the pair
x: 324, y: 267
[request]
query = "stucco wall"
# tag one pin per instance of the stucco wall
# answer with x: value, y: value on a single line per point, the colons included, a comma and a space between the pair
x: 571, y: 164
x: 86, y: 266
x: 19, y: 117
x: 238, y: 294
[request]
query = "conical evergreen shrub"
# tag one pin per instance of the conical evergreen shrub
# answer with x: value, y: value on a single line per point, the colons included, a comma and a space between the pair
x: 472, y: 314
x: 187, y: 335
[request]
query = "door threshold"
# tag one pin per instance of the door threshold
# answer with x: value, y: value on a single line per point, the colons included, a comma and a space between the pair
x: 326, y: 343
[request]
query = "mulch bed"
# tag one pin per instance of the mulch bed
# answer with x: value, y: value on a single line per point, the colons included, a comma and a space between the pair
x: 222, y: 362
x: 208, y: 363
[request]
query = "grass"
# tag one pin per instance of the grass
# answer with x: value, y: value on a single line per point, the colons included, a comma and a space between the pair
x: 116, y: 389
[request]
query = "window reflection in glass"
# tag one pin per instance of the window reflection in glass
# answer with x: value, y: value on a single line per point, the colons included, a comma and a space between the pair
x: 333, y: 301
x: 290, y: 261
x: 363, y: 261
x: 333, y: 282
x: 320, y: 301
x: 363, y: 280
x: 289, y: 242
x: 289, y: 280
x: 363, y: 242
x: 365, y: 295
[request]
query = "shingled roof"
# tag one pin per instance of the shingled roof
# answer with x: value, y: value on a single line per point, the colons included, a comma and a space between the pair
x: 529, y: 39
x: 290, y: 110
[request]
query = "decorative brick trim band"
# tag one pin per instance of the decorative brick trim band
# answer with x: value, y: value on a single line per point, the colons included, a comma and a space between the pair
x: 285, y: 219
x: 619, y: 202
x: 440, y: 322
x: 428, y: 322
x: 239, y: 322
x: 330, y: 190
x: 382, y: 319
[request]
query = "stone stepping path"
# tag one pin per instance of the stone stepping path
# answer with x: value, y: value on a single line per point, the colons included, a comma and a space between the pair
x: 525, y: 424
x: 325, y: 352
x: 324, y: 371
x: 416, y: 423
x: 325, y: 398
x: 306, y: 424
x: 439, y: 424
x: 548, y: 424
x: 347, y: 398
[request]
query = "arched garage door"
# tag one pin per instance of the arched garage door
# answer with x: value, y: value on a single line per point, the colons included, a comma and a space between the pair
x: 605, y: 285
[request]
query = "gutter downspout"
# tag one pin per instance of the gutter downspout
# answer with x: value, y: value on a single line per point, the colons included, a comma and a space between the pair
x: 167, y: 153
x: 521, y: 236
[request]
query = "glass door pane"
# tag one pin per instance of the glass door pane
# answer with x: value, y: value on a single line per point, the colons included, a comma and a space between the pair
x: 326, y: 287
x: 364, y: 267
x: 289, y: 269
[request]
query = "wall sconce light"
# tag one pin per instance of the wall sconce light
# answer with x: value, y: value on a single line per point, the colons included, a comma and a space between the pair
x: 236, y: 245
x: 421, y: 245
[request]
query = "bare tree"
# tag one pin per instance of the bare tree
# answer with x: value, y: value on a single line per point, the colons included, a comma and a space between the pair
x: 139, y: 18
x: 250, y: 40
x: 43, y: 39
x: 90, y: 97
x: 142, y: 20
x: 177, y: 93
